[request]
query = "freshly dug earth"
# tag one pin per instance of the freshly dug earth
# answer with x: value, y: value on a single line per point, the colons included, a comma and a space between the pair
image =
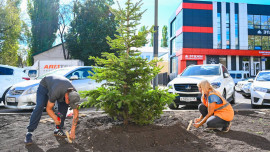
x: 250, y: 131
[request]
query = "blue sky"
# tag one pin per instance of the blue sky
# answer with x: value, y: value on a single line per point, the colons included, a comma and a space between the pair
x: 165, y: 9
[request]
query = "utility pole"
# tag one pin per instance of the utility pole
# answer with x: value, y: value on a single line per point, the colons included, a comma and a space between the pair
x: 155, y: 82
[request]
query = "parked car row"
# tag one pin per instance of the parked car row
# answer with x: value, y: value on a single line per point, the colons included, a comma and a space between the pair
x: 23, y: 95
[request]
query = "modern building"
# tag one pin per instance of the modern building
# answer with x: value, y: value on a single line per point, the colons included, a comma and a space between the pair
x: 234, y: 34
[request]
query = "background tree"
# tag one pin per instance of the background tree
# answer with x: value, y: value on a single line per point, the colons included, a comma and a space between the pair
x: 128, y: 94
x: 164, y: 40
x: 91, y: 24
x: 65, y: 16
x: 44, y: 20
x: 10, y: 28
x: 143, y: 30
x: 152, y: 37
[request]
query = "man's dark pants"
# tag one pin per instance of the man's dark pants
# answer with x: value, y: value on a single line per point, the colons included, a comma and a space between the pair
x: 41, y: 102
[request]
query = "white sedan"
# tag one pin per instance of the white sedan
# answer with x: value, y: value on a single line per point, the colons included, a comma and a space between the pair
x: 260, y: 89
x: 23, y: 95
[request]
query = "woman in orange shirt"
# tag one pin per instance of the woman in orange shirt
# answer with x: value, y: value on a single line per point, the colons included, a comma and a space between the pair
x: 214, y: 109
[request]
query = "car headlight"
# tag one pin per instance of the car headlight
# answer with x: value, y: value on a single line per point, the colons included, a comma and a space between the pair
x: 265, y: 90
x: 169, y: 86
x: 216, y: 84
x: 31, y: 90
x: 247, y: 86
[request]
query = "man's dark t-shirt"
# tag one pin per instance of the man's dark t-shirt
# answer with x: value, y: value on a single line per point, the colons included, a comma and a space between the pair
x: 57, y: 87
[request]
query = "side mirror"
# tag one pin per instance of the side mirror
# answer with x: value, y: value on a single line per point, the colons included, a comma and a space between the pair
x: 74, y: 77
x: 226, y: 75
x: 250, y: 80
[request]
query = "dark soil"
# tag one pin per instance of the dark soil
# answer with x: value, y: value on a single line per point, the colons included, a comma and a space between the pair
x: 98, y: 132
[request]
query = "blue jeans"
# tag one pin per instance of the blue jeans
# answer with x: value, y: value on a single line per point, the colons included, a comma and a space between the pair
x: 41, y: 102
x: 212, y: 121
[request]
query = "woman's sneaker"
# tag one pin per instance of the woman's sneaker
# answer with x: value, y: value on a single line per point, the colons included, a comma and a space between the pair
x: 28, y: 139
x: 227, y: 128
x: 59, y: 133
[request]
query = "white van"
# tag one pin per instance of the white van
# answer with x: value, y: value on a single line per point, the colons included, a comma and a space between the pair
x: 9, y: 76
x: 239, y: 75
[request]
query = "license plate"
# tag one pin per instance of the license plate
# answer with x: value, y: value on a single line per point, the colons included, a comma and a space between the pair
x: 11, y: 99
x: 188, y: 99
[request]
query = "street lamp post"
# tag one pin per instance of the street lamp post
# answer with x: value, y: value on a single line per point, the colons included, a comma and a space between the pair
x: 155, y: 82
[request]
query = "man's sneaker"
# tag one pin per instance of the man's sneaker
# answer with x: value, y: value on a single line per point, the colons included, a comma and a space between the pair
x: 227, y: 128
x: 59, y: 133
x: 28, y: 139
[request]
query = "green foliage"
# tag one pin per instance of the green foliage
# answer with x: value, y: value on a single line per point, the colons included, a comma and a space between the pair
x: 44, y: 20
x: 10, y: 28
x: 127, y: 94
x: 164, y: 40
x: 91, y: 24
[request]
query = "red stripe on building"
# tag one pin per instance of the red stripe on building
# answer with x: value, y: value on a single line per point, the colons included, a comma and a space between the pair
x: 197, y: 6
x: 195, y: 51
x: 196, y: 29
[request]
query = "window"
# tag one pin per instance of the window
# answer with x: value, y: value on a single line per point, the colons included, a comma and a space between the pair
x: 173, y: 46
x: 219, y: 41
x: 174, y: 64
x: 258, y: 43
x: 179, y: 42
x: 227, y: 31
x: 257, y: 21
x: 179, y: 21
x: 83, y: 73
x: 250, y: 22
x: 264, y: 22
x: 148, y: 57
x: 6, y: 71
x: 236, y: 32
x: 265, y: 43
x: 251, y: 42
x: 173, y: 28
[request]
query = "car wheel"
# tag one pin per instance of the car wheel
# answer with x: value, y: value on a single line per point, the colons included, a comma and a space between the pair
x: 4, y: 96
x: 173, y: 106
x: 253, y: 106
x: 233, y: 98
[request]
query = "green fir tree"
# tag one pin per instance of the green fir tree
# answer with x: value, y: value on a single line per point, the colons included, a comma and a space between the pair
x: 127, y: 94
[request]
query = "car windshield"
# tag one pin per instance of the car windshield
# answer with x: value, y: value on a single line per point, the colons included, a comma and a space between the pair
x: 263, y: 76
x: 201, y: 70
x: 61, y: 72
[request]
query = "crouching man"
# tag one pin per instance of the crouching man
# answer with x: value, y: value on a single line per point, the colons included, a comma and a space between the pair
x: 50, y: 90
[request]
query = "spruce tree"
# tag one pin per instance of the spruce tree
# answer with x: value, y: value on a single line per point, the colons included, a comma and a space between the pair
x: 127, y: 94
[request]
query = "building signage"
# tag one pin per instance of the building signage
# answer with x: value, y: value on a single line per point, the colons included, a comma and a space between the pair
x: 258, y: 32
x: 193, y: 57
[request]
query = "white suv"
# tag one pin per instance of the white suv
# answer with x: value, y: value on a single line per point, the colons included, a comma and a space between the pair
x: 185, y: 84
x: 9, y: 76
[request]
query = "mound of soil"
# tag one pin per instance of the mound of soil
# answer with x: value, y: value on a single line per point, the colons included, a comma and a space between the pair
x: 98, y: 132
